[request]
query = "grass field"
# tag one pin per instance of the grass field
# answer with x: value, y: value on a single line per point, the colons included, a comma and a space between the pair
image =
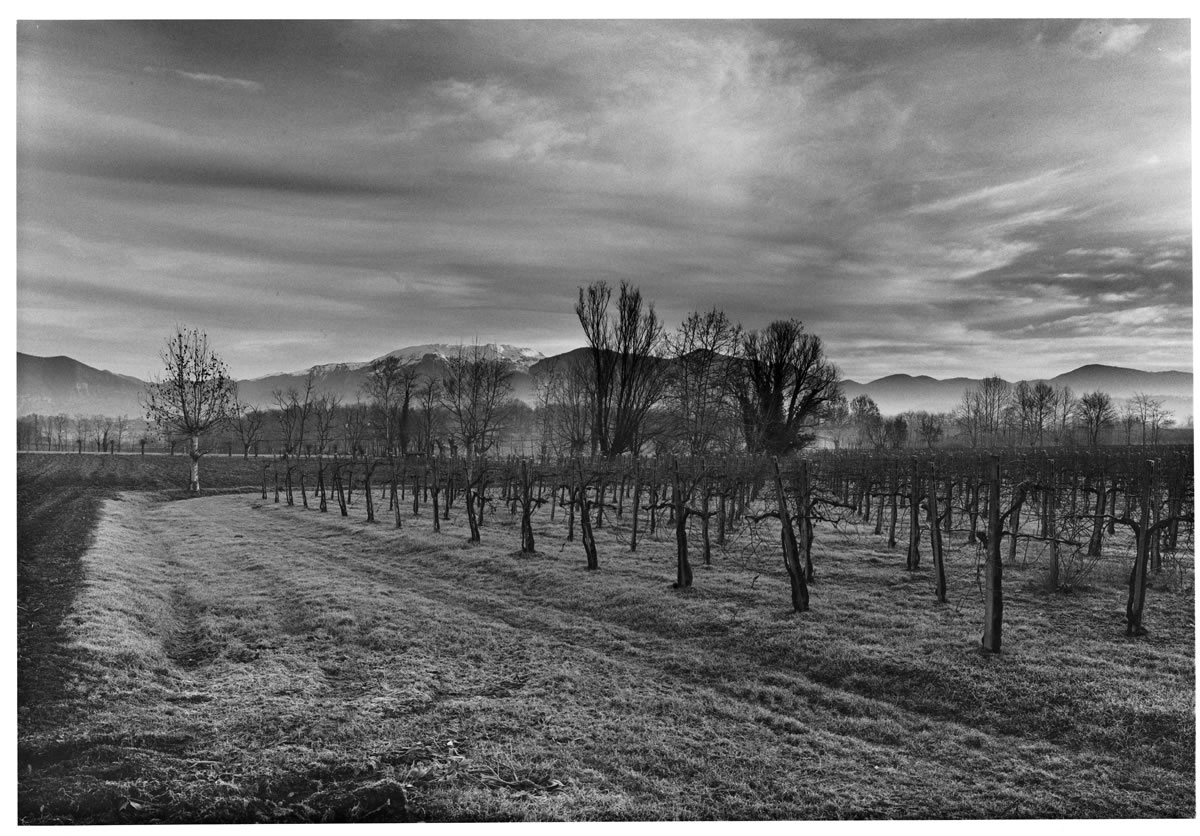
x: 229, y: 659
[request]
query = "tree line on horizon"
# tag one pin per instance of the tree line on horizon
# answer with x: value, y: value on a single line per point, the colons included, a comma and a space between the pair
x: 708, y: 387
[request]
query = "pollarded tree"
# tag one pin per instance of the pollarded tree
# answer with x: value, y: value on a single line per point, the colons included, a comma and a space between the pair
x: 196, y: 395
x: 628, y: 378
x: 786, y: 380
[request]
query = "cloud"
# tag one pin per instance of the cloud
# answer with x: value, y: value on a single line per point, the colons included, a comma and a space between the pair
x: 1096, y: 39
x: 935, y: 183
x: 213, y: 80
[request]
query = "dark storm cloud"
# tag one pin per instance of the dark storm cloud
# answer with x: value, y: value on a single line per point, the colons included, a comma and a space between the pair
x: 333, y: 190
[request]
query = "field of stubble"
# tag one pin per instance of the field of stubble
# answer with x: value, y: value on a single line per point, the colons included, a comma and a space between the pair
x: 230, y: 659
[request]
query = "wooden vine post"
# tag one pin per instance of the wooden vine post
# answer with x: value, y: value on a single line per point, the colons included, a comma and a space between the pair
x: 935, y: 538
x: 637, y: 503
x: 526, y: 509
x: 914, y: 518
x: 585, y: 524
x: 683, y: 574
x: 1137, y: 579
x: 432, y: 482
x: 993, y: 601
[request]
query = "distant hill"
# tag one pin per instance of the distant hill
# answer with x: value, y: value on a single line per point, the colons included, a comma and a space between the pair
x: 347, y: 380
x: 900, y: 392
x: 52, y: 385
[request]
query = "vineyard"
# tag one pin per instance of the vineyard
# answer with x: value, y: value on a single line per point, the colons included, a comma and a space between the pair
x: 354, y: 639
x: 1057, y: 508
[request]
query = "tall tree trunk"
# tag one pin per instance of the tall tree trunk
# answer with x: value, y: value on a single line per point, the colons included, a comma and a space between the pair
x: 791, y: 555
x: 194, y: 453
x: 585, y: 527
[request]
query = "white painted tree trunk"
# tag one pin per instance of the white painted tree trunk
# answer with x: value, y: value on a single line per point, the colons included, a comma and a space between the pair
x: 194, y: 452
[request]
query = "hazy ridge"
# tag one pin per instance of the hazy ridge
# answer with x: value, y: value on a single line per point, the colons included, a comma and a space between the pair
x: 52, y: 385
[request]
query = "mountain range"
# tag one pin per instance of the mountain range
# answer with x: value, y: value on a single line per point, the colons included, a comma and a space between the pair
x: 53, y: 385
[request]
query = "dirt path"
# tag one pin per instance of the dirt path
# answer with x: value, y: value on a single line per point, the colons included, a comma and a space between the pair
x: 255, y: 662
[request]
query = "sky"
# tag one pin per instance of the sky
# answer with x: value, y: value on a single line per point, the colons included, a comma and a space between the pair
x: 962, y: 197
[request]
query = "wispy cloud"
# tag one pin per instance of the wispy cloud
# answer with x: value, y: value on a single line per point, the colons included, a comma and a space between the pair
x: 214, y: 80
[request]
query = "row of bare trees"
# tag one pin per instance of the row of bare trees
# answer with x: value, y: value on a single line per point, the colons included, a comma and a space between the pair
x: 92, y: 433
x: 710, y: 386
x: 996, y: 413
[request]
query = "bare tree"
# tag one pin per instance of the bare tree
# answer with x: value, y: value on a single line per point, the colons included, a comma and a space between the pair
x: 83, y: 428
x: 1036, y: 406
x: 119, y: 427
x: 930, y: 426
x: 1066, y: 402
x: 428, y: 394
x: 839, y: 424
x: 324, y: 414
x: 295, y: 408
x: 196, y: 395
x: 995, y: 399
x: 1128, y: 419
x: 784, y: 382
x: 101, y: 426
x: 391, y: 385
x: 628, y: 378
x: 60, y: 424
x: 866, y: 421
x: 701, y: 390
x: 1151, y: 416
x: 566, y: 404
x: 475, y: 389
x: 354, y: 428
x: 968, y: 416
x: 1096, y: 411
x: 894, y: 433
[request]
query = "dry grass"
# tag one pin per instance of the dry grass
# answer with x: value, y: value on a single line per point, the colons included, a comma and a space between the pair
x: 247, y: 661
